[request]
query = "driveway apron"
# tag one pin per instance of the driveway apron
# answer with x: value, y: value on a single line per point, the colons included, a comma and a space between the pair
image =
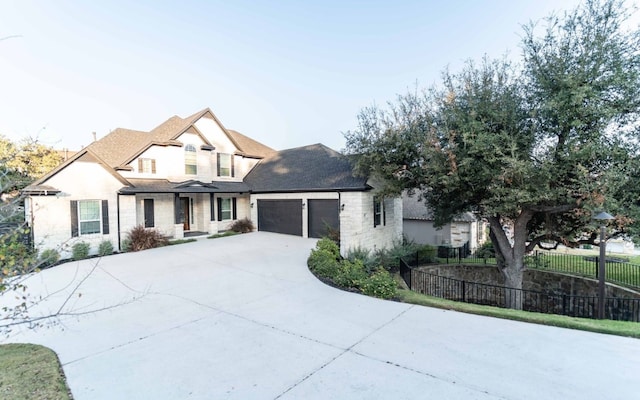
x: 241, y: 317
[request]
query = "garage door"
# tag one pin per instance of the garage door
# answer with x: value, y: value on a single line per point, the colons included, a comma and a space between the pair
x: 323, y: 215
x: 280, y: 216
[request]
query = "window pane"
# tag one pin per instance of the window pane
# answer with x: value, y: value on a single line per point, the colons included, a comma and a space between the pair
x: 87, y: 228
x: 89, y: 210
x: 225, y: 209
x: 190, y: 160
x: 225, y: 164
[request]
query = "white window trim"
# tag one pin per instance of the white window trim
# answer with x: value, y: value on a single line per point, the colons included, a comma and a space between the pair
x: 99, y: 220
x: 187, y: 158
x: 225, y: 158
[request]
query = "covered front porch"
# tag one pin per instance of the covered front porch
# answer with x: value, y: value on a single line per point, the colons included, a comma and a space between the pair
x: 182, y: 209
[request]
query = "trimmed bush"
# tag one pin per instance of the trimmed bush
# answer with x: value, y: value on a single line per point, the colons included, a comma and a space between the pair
x: 143, y: 239
x: 243, y: 226
x: 80, y: 250
x: 380, y: 284
x: 105, y: 248
x: 15, y: 255
x: 330, y: 246
x: 486, y: 250
x: 351, y: 274
x: 323, y: 263
x: 48, y: 257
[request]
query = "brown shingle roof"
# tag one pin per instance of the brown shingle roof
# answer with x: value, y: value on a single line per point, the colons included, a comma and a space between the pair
x: 118, y: 145
x: 248, y: 146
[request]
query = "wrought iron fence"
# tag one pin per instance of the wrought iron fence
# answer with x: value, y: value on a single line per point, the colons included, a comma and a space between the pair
x: 622, y: 309
x: 618, y: 270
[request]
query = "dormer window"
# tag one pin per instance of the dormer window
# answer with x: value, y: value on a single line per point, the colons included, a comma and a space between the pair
x: 225, y: 165
x: 190, y: 160
x: 146, y: 165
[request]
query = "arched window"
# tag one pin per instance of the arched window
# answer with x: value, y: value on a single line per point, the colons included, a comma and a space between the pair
x: 190, y: 160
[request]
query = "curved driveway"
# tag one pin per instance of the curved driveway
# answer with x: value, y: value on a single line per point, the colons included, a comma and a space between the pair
x: 242, y: 318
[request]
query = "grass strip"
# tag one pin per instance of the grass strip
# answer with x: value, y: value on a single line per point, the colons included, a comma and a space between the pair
x: 619, y: 328
x: 29, y: 371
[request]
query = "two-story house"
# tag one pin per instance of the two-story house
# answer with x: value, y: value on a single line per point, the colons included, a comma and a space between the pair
x: 192, y: 175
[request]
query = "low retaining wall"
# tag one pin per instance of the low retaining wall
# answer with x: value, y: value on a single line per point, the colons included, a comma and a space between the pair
x: 541, y: 281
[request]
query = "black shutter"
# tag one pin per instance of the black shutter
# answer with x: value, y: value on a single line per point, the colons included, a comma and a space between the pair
x: 233, y: 169
x: 139, y: 165
x: 233, y: 207
x: 177, y: 208
x: 218, y: 163
x: 153, y: 166
x: 211, y: 205
x: 375, y: 216
x: 219, y: 209
x: 105, y: 217
x: 384, y: 212
x: 74, y: 218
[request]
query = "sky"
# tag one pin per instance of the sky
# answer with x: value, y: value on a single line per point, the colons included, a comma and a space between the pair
x: 286, y: 73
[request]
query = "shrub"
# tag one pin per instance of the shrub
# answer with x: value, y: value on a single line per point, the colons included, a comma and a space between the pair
x: 486, y: 250
x: 105, y: 248
x: 126, y: 245
x: 243, y: 226
x: 364, y: 255
x: 143, y: 239
x: 380, y: 284
x: 426, y: 254
x: 390, y: 258
x: 323, y: 263
x: 330, y: 246
x: 80, y: 250
x: 351, y: 274
x: 15, y: 255
x: 49, y: 257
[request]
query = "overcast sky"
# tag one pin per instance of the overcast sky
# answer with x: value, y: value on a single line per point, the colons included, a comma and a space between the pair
x: 287, y: 73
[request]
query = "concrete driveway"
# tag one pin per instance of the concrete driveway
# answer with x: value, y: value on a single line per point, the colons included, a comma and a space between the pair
x: 242, y: 318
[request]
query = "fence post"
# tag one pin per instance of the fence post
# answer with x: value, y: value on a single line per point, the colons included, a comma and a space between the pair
x: 564, y: 304
x: 464, y: 291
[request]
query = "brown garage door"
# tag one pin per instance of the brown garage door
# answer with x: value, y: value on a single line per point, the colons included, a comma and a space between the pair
x: 323, y: 216
x: 280, y: 216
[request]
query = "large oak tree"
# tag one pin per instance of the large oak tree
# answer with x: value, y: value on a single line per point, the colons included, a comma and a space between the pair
x: 534, y: 148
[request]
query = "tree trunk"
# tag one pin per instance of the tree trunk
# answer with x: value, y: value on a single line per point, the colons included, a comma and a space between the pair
x: 511, y: 256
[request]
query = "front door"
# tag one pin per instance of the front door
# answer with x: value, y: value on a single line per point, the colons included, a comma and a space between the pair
x: 184, y: 201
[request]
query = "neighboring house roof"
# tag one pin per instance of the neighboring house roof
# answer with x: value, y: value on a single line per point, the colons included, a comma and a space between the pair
x: 413, y: 208
x: 309, y: 168
x: 191, y: 186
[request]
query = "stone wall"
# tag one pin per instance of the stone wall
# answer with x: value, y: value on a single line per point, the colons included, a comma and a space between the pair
x: 535, y: 280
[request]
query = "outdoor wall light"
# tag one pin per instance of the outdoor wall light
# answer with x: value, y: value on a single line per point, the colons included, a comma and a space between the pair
x: 342, y: 207
x: 251, y: 205
x: 304, y: 205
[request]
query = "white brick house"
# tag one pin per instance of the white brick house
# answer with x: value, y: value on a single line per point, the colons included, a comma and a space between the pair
x: 193, y: 176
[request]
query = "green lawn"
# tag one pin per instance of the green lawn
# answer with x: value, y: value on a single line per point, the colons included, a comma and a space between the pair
x: 29, y: 371
x: 620, y: 328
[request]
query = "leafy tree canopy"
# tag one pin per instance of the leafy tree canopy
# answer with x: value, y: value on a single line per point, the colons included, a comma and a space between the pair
x: 534, y: 147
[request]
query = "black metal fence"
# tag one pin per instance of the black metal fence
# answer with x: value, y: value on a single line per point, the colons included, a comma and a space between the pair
x: 618, y: 270
x: 621, y: 309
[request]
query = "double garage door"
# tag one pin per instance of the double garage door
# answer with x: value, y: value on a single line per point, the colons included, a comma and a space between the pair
x: 285, y: 216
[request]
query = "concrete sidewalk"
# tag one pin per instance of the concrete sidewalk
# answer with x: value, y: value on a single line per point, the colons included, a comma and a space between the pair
x: 242, y: 318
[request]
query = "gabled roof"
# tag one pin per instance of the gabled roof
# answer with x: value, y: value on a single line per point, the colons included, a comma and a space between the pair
x: 249, y: 147
x: 309, y: 168
x: 121, y: 146
x: 415, y: 209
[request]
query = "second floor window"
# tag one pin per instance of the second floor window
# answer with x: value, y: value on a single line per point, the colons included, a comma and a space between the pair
x: 146, y: 165
x: 225, y: 164
x: 190, y: 160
